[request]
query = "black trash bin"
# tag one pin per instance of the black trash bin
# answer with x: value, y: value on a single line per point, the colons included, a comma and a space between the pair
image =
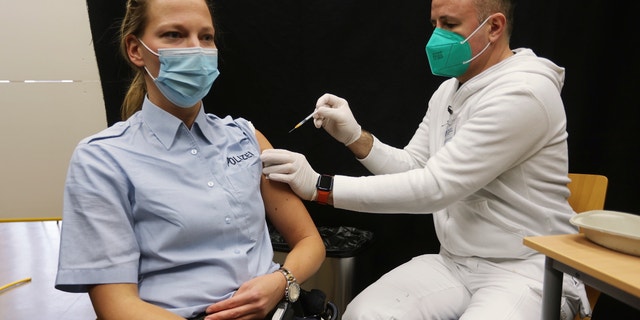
x: 336, y: 276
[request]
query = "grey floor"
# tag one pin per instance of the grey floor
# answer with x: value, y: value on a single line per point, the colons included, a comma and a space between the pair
x: 30, y: 250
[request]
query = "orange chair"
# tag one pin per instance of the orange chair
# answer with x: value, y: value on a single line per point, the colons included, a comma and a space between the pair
x: 588, y: 192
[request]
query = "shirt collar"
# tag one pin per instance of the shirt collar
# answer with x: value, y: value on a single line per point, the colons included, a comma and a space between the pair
x: 165, y: 126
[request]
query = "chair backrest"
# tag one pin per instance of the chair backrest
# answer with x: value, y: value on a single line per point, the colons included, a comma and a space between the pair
x: 588, y: 192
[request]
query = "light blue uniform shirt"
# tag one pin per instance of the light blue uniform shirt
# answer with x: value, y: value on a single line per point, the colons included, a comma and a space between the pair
x: 177, y: 211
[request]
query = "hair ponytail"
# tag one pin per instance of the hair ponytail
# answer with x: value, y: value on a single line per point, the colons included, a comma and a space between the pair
x: 135, y: 96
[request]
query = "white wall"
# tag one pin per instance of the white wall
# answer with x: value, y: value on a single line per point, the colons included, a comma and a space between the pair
x: 41, y: 122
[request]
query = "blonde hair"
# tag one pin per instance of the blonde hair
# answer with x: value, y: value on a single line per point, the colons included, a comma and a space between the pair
x: 134, y: 23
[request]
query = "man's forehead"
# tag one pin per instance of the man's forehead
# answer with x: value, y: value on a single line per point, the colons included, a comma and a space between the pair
x: 445, y: 10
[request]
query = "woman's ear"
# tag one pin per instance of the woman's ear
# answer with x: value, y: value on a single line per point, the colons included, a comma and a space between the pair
x: 134, y: 50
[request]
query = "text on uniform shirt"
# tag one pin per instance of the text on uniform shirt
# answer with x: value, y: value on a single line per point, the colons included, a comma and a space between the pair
x: 239, y: 158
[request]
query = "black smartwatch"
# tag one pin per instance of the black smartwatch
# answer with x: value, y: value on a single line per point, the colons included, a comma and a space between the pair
x: 324, y: 187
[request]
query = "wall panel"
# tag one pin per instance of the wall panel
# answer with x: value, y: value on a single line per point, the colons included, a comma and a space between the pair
x: 41, y: 122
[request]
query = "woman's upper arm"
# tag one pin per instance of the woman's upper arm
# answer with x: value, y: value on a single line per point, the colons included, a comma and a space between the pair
x: 285, y: 209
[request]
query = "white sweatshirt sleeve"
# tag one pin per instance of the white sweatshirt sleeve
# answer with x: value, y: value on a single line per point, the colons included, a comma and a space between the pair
x: 494, y: 136
x: 385, y: 159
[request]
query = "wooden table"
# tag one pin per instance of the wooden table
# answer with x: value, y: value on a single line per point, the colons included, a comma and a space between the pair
x: 30, y: 250
x: 614, y: 273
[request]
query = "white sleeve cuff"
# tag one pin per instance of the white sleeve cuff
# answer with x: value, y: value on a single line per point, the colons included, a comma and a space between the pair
x: 384, y: 159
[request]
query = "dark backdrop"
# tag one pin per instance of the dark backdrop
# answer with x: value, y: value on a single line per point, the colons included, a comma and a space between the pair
x: 278, y: 56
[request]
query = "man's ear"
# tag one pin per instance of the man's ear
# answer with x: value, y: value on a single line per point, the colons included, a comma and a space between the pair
x: 498, y: 23
x: 134, y: 50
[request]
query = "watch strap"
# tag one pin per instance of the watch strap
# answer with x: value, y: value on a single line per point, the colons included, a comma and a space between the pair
x: 287, y: 274
x: 323, y: 197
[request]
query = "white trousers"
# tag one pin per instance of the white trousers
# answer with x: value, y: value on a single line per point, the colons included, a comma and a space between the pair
x: 442, y: 286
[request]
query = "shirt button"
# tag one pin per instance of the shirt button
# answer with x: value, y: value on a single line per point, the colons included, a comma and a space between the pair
x: 236, y: 251
x: 210, y: 183
x: 227, y: 220
x: 194, y: 151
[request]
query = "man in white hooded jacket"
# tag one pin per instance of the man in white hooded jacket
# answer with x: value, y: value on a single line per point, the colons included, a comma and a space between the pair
x: 489, y: 160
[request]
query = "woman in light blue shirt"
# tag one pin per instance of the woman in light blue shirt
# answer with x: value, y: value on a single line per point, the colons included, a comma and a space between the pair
x: 165, y: 212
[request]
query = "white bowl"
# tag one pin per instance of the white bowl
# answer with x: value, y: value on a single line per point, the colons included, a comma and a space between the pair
x: 615, y: 230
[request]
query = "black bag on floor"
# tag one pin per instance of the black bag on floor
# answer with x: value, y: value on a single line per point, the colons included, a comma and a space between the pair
x: 312, y: 305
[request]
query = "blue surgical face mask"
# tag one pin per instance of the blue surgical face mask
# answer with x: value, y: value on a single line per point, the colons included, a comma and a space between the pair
x: 186, y: 74
x: 449, y: 53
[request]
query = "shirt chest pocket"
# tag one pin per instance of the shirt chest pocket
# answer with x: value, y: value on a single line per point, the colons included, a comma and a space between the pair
x: 243, y: 171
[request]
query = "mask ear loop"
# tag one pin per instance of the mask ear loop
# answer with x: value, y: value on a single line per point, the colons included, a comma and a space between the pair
x: 471, y: 35
x: 145, y: 67
x: 477, y: 55
x: 156, y: 54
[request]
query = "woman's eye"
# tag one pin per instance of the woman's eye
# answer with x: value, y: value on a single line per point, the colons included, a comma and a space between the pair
x: 208, y: 38
x: 172, y: 35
